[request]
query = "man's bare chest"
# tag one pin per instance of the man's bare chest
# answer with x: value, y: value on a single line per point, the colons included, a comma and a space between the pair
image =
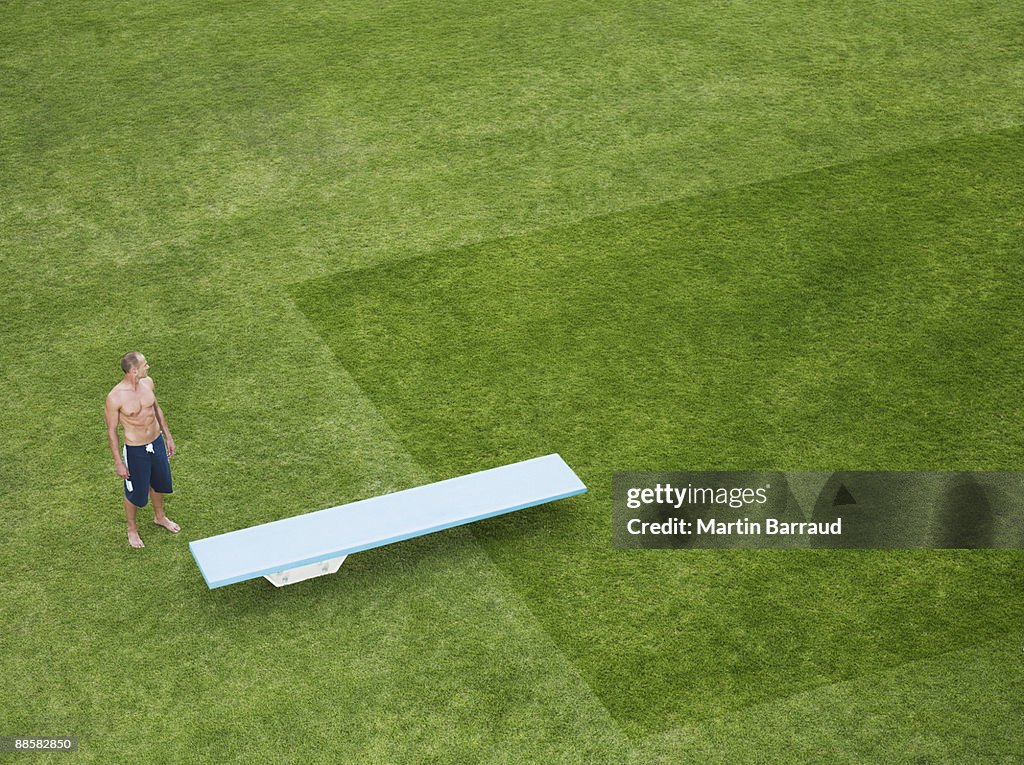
x: 137, y: 403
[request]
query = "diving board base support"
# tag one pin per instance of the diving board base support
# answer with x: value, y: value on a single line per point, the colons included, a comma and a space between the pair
x: 302, y: 573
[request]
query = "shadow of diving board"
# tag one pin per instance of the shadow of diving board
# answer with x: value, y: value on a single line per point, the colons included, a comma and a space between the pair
x: 298, y: 548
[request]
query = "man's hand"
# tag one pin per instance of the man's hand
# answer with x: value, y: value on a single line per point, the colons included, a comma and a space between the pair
x: 170, y: 447
x: 122, y: 470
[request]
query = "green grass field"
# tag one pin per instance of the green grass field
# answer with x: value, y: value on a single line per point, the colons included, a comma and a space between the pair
x: 366, y: 246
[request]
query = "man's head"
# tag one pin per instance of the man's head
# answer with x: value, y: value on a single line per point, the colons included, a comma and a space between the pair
x: 134, y: 363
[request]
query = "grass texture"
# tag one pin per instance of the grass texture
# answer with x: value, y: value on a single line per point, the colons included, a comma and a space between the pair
x: 365, y: 246
x: 748, y: 329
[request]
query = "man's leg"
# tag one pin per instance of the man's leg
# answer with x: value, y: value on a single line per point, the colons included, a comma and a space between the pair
x: 158, y: 513
x: 133, y: 530
x: 135, y: 495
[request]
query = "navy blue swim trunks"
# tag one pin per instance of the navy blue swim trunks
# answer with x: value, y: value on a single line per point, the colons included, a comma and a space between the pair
x: 148, y: 467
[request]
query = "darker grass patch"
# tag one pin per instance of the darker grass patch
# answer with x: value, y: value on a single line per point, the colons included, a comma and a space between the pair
x: 859, y: 317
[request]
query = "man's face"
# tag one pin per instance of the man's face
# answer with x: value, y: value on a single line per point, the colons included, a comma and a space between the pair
x: 142, y: 368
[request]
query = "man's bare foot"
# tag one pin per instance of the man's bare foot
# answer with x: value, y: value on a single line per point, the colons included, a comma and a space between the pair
x: 134, y: 539
x: 168, y: 524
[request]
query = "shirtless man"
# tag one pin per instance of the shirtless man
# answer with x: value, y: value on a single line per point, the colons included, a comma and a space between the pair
x: 142, y: 464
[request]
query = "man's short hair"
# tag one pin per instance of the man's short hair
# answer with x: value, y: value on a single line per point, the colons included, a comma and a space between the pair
x: 130, y: 360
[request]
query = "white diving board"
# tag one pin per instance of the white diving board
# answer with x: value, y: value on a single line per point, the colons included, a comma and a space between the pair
x: 304, y: 546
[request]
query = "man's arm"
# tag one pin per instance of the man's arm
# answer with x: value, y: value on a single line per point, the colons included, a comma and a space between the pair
x: 161, y: 420
x: 110, y: 413
x: 166, y: 430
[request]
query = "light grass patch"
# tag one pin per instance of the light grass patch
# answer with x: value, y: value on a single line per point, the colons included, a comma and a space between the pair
x: 956, y: 707
x: 407, y: 651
